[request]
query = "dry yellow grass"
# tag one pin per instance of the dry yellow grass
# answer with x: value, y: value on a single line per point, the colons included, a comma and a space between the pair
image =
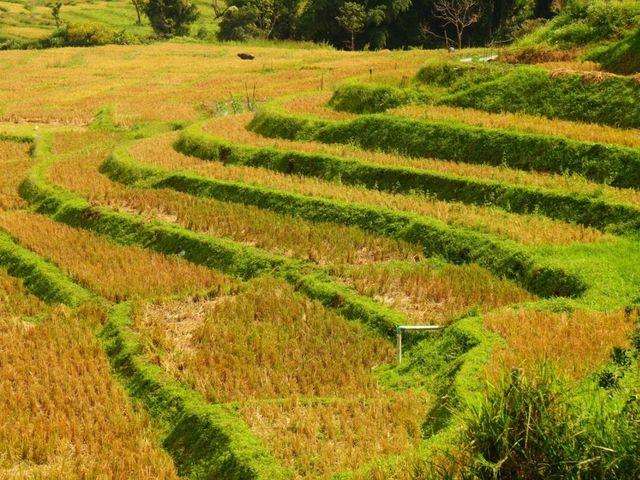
x: 267, y: 343
x: 68, y: 141
x: 574, y: 342
x: 169, y: 81
x: 527, y: 229
x: 321, y: 439
x: 15, y: 302
x: 264, y: 342
x: 320, y: 243
x: 528, y: 123
x: 113, y: 271
x: 15, y: 163
x: 433, y: 295
x: 315, y: 104
x: 63, y: 415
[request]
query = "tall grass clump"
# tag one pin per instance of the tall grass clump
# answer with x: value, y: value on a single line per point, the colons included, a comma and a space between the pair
x: 540, y: 426
x: 620, y: 57
x: 589, y: 22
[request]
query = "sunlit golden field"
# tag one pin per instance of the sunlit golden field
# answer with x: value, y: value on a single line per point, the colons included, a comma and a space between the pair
x: 530, y: 229
x: 15, y: 163
x: 169, y: 82
x: 114, y: 271
x: 295, y: 362
x: 230, y: 349
x: 63, y: 415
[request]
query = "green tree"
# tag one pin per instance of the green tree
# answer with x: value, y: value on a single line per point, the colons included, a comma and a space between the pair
x: 352, y: 18
x: 245, y: 19
x: 139, y: 6
x: 55, y: 13
x: 170, y: 17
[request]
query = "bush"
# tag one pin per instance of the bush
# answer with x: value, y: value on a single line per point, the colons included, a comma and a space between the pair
x: 457, y: 76
x: 369, y: 98
x: 582, y: 23
x: 621, y: 57
x: 87, y: 35
x: 607, y: 100
x: 170, y: 17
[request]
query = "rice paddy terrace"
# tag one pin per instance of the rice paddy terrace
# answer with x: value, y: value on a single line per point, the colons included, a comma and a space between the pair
x: 204, y: 261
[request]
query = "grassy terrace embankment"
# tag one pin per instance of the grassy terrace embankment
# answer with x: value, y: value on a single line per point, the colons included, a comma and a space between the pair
x: 149, y: 384
x: 455, y: 244
x: 447, y: 183
x: 458, y: 142
x: 608, y: 265
x: 253, y: 252
x: 327, y: 245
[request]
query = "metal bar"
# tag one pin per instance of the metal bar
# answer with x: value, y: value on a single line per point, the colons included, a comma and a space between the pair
x: 420, y: 327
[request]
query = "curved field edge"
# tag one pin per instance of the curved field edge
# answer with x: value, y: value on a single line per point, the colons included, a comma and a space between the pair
x: 502, y: 257
x: 195, y: 430
x: 453, y: 364
x: 581, y: 209
x: 205, y: 440
x: 40, y: 277
x: 220, y: 254
x: 212, y: 440
x: 202, y: 439
x: 615, y: 165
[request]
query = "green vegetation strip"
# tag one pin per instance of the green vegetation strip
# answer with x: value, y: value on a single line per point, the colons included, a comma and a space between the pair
x: 205, y: 440
x: 14, y: 137
x: 458, y: 245
x: 356, y: 97
x: 575, y: 208
x: 40, y: 277
x: 615, y: 165
x: 451, y: 365
x: 610, y: 100
x: 224, y: 255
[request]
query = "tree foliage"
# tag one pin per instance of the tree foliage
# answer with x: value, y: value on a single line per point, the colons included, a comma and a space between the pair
x: 246, y: 19
x: 352, y: 18
x: 170, y: 17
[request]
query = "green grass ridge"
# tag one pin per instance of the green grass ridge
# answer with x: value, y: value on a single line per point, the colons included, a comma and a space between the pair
x: 458, y: 245
x: 221, y: 254
x: 40, y: 277
x: 205, y: 440
x: 358, y: 97
x: 571, y: 96
x: 615, y: 165
x: 574, y: 208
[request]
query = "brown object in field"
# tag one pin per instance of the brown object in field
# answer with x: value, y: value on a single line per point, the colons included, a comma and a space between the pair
x: 246, y: 56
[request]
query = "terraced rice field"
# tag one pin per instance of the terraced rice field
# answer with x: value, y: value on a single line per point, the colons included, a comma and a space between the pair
x: 220, y: 291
